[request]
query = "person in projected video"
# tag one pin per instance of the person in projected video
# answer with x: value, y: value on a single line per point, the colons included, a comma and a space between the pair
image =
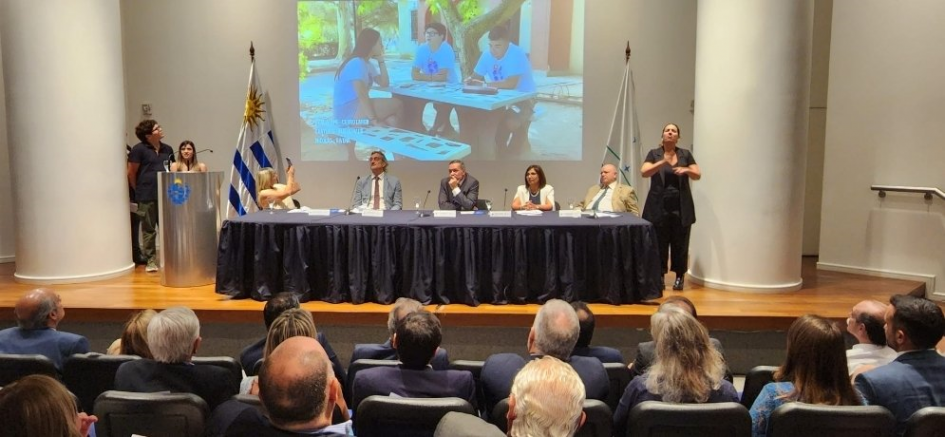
x: 352, y: 105
x: 435, y: 61
x: 506, y: 66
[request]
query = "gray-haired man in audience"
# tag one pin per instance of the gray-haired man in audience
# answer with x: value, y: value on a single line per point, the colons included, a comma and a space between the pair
x: 402, y: 307
x: 38, y: 314
x: 866, y: 324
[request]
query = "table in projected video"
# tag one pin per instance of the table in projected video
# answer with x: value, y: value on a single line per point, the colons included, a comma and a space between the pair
x: 469, y: 259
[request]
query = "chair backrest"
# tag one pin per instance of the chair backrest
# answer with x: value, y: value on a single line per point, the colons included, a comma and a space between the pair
x: 755, y: 380
x: 228, y: 363
x: 653, y: 418
x: 121, y: 414
x: 799, y: 419
x: 89, y: 375
x: 474, y: 367
x: 356, y: 367
x: 619, y: 376
x: 482, y: 204
x: 598, y: 423
x: 927, y: 422
x: 394, y: 417
x: 16, y: 366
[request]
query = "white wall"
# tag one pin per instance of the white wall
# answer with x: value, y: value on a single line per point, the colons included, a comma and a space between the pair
x: 884, y: 126
x: 7, y: 225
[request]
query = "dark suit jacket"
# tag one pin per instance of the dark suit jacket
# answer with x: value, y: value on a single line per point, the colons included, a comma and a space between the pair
x: 254, y: 352
x: 646, y: 354
x: 455, y: 424
x: 413, y: 383
x: 603, y: 353
x: 48, y: 342
x: 500, y: 369
x: 653, y: 209
x: 236, y: 419
x: 393, y: 195
x: 441, y: 360
x: 465, y: 200
x: 910, y: 382
x: 212, y: 383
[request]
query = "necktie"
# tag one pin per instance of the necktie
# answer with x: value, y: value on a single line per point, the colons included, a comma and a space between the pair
x: 602, y: 194
x: 377, y: 192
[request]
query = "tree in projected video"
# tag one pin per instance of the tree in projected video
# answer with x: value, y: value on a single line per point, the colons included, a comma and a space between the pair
x: 468, y: 24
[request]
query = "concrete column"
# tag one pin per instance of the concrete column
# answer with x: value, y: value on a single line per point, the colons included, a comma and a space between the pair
x: 750, y: 138
x: 63, y: 79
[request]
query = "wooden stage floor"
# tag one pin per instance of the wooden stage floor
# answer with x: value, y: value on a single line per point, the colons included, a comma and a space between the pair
x: 830, y: 294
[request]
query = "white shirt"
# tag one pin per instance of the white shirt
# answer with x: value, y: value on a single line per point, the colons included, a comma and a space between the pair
x: 871, y: 354
x: 607, y: 203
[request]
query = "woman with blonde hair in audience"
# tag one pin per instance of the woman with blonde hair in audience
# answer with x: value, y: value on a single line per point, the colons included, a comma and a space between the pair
x: 291, y: 323
x: 814, y: 372
x: 37, y: 405
x: 687, y: 368
x: 134, y: 338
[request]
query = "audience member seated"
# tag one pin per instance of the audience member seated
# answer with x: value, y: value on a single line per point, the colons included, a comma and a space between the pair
x: 554, y: 333
x: 866, y: 325
x: 583, y: 347
x: 174, y: 337
x: 814, y: 372
x: 38, y: 314
x: 416, y: 340
x: 291, y: 323
x: 38, y: 405
x: 275, y: 306
x: 402, y: 307
x: 298, y: 392
x: 646, y: 351
x: 916, y: 378
x: 134, y: 338
x: 687, y: 368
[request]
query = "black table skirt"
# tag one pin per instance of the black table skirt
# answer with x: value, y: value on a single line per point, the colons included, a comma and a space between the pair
x: 470, y: 259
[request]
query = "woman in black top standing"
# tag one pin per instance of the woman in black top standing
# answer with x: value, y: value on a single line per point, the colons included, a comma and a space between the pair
x: 669, y: 203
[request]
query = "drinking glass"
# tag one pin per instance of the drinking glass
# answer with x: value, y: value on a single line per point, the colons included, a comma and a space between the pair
x: 489, y: 205
x: 272, y: 205
x: 570, y: 203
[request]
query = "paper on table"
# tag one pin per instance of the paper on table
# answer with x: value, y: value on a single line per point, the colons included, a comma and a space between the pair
x: 529, y: 212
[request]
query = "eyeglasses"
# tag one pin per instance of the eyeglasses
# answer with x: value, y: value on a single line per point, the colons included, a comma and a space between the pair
x: 431, y: 33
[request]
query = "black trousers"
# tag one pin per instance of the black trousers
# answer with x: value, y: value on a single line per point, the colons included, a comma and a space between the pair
x: 673, y: 238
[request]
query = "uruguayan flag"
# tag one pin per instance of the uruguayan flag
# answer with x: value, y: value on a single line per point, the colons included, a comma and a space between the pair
x: 256, y: 148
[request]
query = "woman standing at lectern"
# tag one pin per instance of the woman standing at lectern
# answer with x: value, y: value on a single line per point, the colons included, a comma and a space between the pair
x: 187, y: 159
x: 669, y: 203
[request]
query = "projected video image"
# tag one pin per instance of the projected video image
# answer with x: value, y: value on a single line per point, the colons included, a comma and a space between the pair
x: 438, y: 80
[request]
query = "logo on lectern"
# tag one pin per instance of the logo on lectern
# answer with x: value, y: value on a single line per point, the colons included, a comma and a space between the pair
x: 178, y: 192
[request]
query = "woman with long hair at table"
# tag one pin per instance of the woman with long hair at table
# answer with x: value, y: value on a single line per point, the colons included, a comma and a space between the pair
x: 814, y: 372
x: 536, y: 194
x: 354, y: 79
x: 669, y: 203
x: 187, y: 158
x: 273, y: 195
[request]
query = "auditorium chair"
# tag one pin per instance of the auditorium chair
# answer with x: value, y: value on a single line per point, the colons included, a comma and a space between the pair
x: 927, y: 422
x: 598, y: 423
x: 247, y: 399
x: 121, y: 414
x: 653, y: 418
x: 385, y: 416
x: 229, y: 363
x: 89, y: 375
x: 483, y: 204
x: 357, y: 366
x: 755, y: 380
x: 800, y: 419
x: 16, y: 366
x: 474, y: 367
x: 619, y: 376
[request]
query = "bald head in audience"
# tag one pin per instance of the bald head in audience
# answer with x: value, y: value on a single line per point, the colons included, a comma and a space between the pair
x: 547, y: 399
x: 297, y: 386
x: 38, y: 309
x: 866, y: 322
x: 555, y: 331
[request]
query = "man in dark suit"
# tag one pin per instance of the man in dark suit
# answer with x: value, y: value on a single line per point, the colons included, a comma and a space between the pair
x: 915, y: 379
x: 554, y: 333
x: 174, y: 337
x: 279, y: 303
x: 298, y: 392
x: 646, y: 351
x: 385, y: 351
x: 583, y: 347
x: 38, y: 314
x: 459, y: 191
x: 379, y: 190
x: 416, y: 339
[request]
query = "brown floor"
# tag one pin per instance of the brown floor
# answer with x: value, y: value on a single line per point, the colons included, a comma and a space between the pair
x: 829, y: 294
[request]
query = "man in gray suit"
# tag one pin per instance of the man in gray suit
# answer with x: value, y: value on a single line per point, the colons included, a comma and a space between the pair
x: 916, y: 378
x: 379, y: 190
x: 459, y: 191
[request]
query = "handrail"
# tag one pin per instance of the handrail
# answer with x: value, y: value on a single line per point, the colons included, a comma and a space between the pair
x: 899, y: 189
